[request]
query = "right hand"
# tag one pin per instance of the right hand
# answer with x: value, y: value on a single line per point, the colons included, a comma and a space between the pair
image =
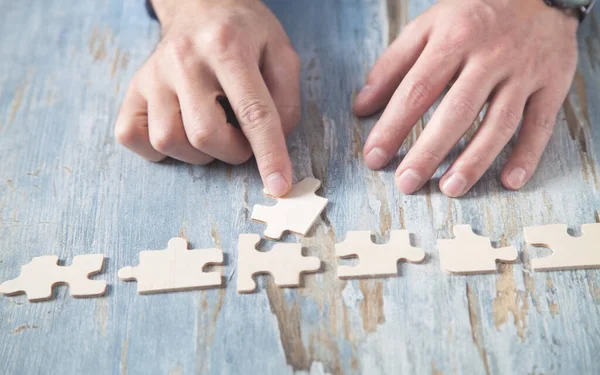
x: 211, y: 49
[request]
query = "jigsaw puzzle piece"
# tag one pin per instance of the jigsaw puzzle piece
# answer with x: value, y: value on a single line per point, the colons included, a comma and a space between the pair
x: 174, y: 269
x: 39, y: 277
x: 469, y: 253
x: 568, y: 252
x: 294, y: 212
x: 284, y: 262
x: 375, y: 259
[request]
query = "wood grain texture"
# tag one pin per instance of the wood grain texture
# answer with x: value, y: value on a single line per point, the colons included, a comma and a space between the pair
x: 66, y: 188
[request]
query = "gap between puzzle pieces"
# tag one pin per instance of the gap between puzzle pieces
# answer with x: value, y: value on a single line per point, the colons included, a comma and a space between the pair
x: 38, y: 278
x: 294, y: 212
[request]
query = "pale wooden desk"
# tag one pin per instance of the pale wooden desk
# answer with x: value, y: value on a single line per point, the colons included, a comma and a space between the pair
x: 66, y: 188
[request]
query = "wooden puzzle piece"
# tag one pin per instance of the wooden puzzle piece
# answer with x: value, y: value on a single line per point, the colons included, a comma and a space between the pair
x: 284, y: 262
x: 39, y: 277
x: 374, y: 259
x: 567, y: 252
x: 295, y: 212
x: 469, y: 253
x: 174, y: 269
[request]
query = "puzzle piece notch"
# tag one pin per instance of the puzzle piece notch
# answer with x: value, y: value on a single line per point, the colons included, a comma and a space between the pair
x: 376, y: 259
x: 469, y: 253
x: 294, y: 212
x: 38, y: 277
x: 284, y: 262
x: 174, y: 269
x: 568, y: 252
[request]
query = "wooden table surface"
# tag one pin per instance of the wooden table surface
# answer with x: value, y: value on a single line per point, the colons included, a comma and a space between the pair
x: 66, y: 188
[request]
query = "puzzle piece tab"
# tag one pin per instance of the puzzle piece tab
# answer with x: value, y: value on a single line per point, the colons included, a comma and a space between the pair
x: 567, y: 252
x: 39, y: 276
x: 295, y: 212
x: 374, y: 259
x: 284, y: 262
x: 174, y: 269
x: 469, y: 253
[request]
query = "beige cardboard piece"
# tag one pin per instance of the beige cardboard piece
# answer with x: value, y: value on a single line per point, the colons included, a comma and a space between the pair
x: 38, y: 277
x: 376, y: 260
x: 174, y: 269
x: 469, y: 253
x: 284, y: 262
x: 294, y: 212
x: 567, y: 252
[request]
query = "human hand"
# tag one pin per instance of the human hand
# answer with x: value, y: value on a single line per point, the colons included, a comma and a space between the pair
x: 520, y: 55
x: 210, y: 49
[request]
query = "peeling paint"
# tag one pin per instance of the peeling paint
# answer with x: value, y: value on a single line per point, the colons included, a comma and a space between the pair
x: 509, y: 300
x: 371, y: 307
x: 476, y: 329
x: 22, y: 328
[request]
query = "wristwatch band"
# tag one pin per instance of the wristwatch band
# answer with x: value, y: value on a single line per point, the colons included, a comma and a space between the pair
x: 150, y: 10
x: 581, y: 7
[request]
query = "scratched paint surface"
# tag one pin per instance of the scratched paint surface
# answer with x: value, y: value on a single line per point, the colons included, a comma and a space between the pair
x: 67, y: 189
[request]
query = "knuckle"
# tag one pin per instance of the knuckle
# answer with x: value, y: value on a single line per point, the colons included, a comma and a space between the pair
x: 528, y: 157
x: 125, y: 134
x: 544, y: 127
x: 269, y: 160
x: 475, y: 162
x: 162, y: 142
x: 222, y: 36
x: 255, y: 114
x: 203, y: 138
x: 181, y: 49
x: 507, y: 120
x: 463, y: 108
x: 428, y: 158
x: 419, y: 93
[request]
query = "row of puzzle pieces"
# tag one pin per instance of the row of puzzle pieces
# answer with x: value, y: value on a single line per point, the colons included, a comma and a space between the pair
x: 178, y: 268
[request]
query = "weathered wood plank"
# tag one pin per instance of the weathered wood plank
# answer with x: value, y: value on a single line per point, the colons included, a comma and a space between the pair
x: 66, y: 189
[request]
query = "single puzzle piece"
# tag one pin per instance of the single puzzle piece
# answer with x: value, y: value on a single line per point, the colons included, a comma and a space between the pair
x: 374, y: 259
x: 567, y: 252
x: 284, y: 262
x: 174, y: 269
x: 469, y: 253
x: 295, y: 212
x: 39, y: 277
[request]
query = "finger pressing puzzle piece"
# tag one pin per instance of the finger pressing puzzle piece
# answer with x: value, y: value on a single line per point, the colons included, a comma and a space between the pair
x: 568, y: 252
x: 294, y: 212
x: 284, y: 262
x: 174, y: 269
x: 39, y: 276
x: 374, y: 259
x: 469, y: 253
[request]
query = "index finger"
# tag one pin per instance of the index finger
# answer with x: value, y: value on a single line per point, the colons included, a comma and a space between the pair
x: 247, y: 92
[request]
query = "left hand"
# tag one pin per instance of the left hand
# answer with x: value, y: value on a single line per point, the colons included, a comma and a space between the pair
x: 520, y: 55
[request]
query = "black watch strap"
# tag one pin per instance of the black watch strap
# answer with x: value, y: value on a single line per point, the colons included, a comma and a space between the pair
x: 150, y: 10
x: 580, y: 11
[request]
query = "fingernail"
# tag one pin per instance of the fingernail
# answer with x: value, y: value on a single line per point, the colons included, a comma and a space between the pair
x: 277, y: 184
x: 376, y: 158
x: 408, y: 182
x: 516, y: 178
x: 455, y: 185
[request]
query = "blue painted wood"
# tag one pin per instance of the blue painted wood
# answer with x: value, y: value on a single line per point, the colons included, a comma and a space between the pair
x: 66, y: 188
